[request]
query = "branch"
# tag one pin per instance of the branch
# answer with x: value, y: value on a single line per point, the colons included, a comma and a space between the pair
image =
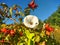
x: 14, y: 20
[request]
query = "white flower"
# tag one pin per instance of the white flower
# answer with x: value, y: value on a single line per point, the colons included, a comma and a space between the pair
x: 31, y: 21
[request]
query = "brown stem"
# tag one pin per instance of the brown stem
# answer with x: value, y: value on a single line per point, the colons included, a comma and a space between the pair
x: 14, y: 20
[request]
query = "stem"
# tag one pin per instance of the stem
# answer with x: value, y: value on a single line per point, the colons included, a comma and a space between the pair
x: 14, y: 20
x: 29, y: 42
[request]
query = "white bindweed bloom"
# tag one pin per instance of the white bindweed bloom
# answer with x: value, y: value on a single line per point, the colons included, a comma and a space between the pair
x: 31, y: 21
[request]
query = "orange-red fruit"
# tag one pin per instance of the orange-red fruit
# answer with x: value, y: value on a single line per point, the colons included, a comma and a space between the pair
x: 47, y: 25
x: 21, y: 33
x: 48, y: 33
x: 50, y: 29
x: 4, y: 30
x: 8, y: 31
x: 2, y: 41
x: 32, y: 5
x: 12, y: 32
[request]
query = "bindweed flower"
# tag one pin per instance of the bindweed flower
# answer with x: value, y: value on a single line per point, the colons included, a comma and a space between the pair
x: 31, y: 21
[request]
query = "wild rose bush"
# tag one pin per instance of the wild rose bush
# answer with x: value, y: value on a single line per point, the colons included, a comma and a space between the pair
x: 20, y: 34
x: 24, y: 33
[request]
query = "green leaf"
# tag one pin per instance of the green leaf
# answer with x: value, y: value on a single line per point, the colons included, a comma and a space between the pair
x: 37, y: 38
x: 27, y: 11
x: 31, y: 42
x: 11, y: 11
x: 4, y: 5
x: 28, y: 34
x: 21, y: 13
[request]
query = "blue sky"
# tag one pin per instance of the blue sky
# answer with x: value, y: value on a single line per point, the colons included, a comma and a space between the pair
x: 44, y: 10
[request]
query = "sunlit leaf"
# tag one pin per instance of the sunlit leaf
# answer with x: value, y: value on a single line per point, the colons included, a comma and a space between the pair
x: 21, y: 13
x: 29, y: 35
x: 11, y: 11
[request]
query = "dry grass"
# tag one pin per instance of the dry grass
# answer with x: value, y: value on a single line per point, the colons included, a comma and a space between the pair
x: 57, y: 34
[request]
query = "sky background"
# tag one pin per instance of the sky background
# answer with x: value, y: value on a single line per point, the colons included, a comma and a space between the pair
x: 44, y: 10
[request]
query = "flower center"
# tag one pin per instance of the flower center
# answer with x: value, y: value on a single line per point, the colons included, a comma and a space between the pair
x: 31, y: 23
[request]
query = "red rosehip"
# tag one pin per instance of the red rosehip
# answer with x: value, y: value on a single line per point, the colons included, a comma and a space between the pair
x: 50, y: 29
x: 2, y: 41
x: 4, y: 30
x: 8, y: 31
x: 12, y: 32
x: 21, y: 33
x: 32, y: 5
x: 48, y: 33
x: 47, y: 28
x: 47, y: 25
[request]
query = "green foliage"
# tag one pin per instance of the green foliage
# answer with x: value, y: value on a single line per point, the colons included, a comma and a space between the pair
x: 40, y: 25
x: 15, y: 10
x: 24, y: 35
x: 54, y: 19
x: 27, y: 11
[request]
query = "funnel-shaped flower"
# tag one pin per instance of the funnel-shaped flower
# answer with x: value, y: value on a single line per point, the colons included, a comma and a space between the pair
x: 31, y: 21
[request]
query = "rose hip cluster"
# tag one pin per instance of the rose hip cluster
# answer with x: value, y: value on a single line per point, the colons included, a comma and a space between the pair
x: 49, y: 29
x: 6, y: 31
x: 10, y: 32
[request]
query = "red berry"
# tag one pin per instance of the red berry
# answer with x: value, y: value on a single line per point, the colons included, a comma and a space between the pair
x: 2, y: 41
x: 49, y: 29
x: 48, y: 33
x: 47, y: 25
x: 12, y: 32
x: 4, y: 30
x: 8, y: 31
x: 21, y: 33
x: 32, y: 5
